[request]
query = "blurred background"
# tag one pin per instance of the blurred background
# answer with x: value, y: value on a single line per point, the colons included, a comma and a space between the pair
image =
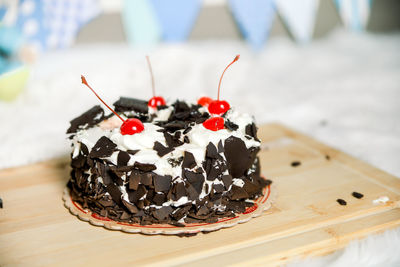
x: 328, y: 68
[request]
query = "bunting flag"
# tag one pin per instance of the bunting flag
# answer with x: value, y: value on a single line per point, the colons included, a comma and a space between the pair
x: 30, y: 21
x: 53, y: 23
x: 64, y: 18
x: 176, y: 17
x: 299, y: 17
x: 254, y: 18
x: 140, y: 23
x: 354, y: 13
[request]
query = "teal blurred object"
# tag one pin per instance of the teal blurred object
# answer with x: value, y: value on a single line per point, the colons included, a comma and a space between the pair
x: 11, y: 39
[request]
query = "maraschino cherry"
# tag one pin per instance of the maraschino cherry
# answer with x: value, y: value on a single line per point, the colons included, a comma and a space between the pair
x: 219, y: 107
x: 155, y: 101
x: 204, y: 101
x: 129, y: 126
x: 216, y: 107
x: 214, y: 123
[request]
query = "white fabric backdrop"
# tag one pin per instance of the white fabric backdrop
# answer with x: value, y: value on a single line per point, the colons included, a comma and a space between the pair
x: 343, y: 90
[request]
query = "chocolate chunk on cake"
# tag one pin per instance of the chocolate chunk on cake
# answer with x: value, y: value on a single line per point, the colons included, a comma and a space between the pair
x: 175, y: 171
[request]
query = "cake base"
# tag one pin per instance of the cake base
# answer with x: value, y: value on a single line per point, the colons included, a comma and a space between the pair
x: 261, y: 204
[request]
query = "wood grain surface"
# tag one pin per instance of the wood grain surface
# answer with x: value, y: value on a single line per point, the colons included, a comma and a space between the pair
x: 37, y: 230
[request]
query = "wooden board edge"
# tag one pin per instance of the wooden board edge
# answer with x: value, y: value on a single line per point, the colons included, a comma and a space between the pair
x: 331, y: 243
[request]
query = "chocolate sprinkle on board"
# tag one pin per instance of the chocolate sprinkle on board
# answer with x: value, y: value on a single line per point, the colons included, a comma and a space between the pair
x: 89, y: 118
x: 327, y: 157
x: 123, y: 158
x: 341, y: 202
x: 104, y: 147
x: 295, y: 163
x: 162, y: 150
x: 357, y: 195
x: 131, y: 104
x: 188, y: 160
x: 1, y: 203
x: 162, y: 183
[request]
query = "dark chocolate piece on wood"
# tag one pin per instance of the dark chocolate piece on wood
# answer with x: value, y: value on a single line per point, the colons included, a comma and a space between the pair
x: 188, y: 160
x: 161, y: 150
x: 123, y: 158
x: 131, y: 207
x: 357, y: 195
x: 89, y: 118
x: 230, y: 125
x: 104, y: 147
x: 238, y: 157
x: 211, y: 151
x: 115, y: 193
x: 131, y: 104
x: 162, y: 183
x: 295, y: 163
x: 341, y: 202
x: 327, y: 157
x: 134, y: 180
x: 1, y: 203
x: 146, y: 167
x: 163, y: 213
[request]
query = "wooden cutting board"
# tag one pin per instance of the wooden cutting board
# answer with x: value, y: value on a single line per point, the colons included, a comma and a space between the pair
x: 37, y: 230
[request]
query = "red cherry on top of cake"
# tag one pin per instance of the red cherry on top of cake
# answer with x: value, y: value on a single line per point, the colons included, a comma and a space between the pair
x: 204, y: 101
x: 129, y: 126
x: 218, y: 107
x: 155, y: 101
x: 214, y: 124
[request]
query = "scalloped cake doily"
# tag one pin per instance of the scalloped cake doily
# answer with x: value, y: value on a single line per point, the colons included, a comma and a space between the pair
x: 261, y: 204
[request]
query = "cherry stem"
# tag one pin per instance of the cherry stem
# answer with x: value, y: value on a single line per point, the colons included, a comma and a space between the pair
x: 85, y: 83
x: 220, y: 80
x: 151, y: 75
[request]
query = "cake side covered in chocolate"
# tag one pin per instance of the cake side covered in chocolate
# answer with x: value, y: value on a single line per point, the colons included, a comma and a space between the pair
x: 175, y: 171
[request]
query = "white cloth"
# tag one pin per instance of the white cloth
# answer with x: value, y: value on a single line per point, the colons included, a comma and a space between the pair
x: 343, y: 90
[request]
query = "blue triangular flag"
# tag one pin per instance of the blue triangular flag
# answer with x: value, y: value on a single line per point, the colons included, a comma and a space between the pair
x: 299, y: 17
x: 254, y: 18
x: 31, y: 24
x: 354, y: 13
x: 176, y: 17
x: 140, y: 23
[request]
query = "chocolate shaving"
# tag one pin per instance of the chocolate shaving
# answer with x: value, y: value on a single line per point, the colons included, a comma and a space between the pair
x: 195, y: 179
x: 132, y: 152
x: 123, y: 158
x: 134, y: 180
x: 144, y: 166
x: 114, y: 193
x: 238, y: 165
x: 295, y: 163
x: 131, y: 207
x: 211, y: 151
x: 104, y: 147
x: 238, y: 193
x: 89, y: 118
x: 146, y: 179
x: 162, y: 183
x: 131, y: 104
x: 230, y: 125
x: 188, y: 160
x: 161, y: 150
x: 341, y: 202
x: 163, y: 213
